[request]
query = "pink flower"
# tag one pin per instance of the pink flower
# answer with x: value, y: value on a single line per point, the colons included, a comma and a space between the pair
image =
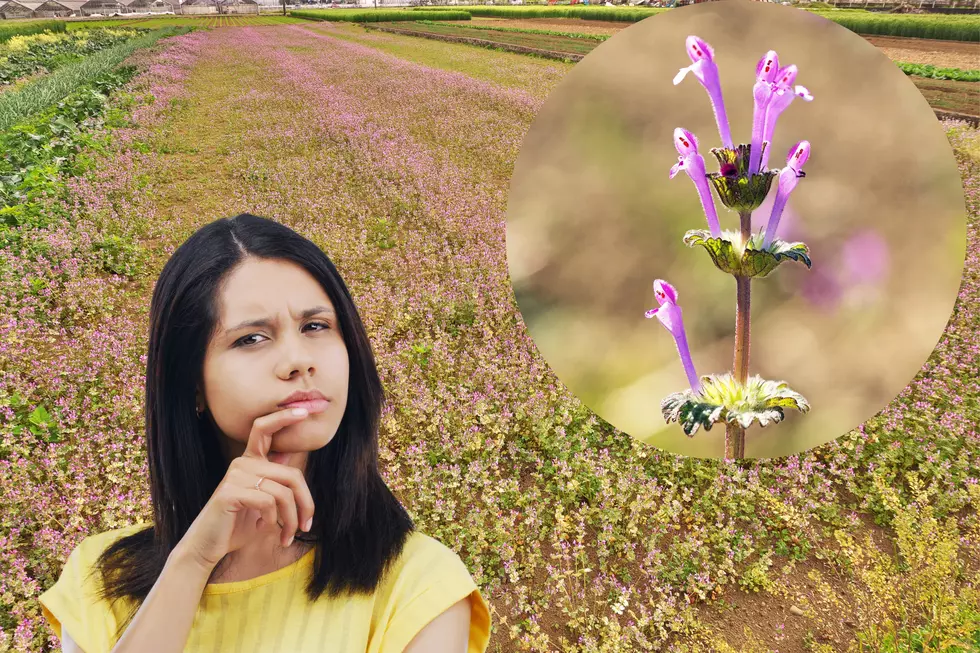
x: 706, y: 70
x: 669, y: 314
x: 788, y: 178
x: 772, y: 93
x: 693, y: 164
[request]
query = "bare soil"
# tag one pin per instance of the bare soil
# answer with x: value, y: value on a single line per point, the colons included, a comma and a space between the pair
x: 945, y: 54
x: 947, y: 95
x: 578, y: 25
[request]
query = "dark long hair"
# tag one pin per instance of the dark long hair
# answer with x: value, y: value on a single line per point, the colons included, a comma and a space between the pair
x: 359, y: 526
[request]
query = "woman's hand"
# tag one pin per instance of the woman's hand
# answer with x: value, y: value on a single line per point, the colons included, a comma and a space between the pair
x: 236, y: 513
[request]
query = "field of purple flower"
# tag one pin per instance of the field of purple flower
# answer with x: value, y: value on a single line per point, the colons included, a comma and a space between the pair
x: 394, y: 155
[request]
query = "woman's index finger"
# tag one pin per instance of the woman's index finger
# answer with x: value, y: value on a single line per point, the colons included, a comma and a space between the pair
x: 263, y: 428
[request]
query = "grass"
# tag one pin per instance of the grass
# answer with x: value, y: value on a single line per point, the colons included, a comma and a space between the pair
x: 203, y: 22
x: 378, y: 15
x: 619, y: 14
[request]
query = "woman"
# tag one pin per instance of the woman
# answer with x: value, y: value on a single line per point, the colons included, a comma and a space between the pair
x: 272, y: 530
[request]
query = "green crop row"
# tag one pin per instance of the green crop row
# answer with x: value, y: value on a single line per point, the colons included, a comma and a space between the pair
x: 546, y: 32
x: 948, y: 28
x: 37, y: 151
x: 920, y: 70
x: 945, y: 27
x: 926, y: 70
x: 380, y: 15
x: 42, y: 93
x: 48, y: 52
x: 623, y: 14
x: 56, y: 141
x: 7, y: 32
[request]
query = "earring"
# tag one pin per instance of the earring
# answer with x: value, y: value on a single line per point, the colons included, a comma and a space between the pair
x: 199, y: 411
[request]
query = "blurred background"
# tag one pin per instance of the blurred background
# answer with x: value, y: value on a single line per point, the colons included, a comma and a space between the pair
x: 593, y: 219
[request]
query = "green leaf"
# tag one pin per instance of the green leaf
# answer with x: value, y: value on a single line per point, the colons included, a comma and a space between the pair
x: 759, y: 263
x: 723, y: 399
x: 40, y: 416
x: 721, y: 250
x: 752, y: 261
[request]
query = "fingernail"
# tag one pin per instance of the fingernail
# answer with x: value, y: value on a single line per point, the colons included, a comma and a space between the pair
x: 299, y: 411
x: 290, y: 540
x: 308, y: 524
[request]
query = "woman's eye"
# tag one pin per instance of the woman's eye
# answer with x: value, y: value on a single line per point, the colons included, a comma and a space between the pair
x: 242, y: 341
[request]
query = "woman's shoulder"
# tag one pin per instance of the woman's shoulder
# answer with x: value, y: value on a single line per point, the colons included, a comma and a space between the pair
x: 74, y: 600
x: 427, y: 579
x: 78, y: 569
x: 424, y: 555
x: 90, y: 547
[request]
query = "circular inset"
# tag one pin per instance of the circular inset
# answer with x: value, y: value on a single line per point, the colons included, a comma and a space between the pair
x: 606, y: 198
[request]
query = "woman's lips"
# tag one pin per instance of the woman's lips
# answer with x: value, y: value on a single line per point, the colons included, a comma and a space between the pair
x: 312, y: 405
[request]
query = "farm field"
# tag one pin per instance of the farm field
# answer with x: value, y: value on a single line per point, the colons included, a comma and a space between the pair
x: 394, y: 154
x: 525, y: 36
x: 185, y: 21
x: 538, y: 43
x: 959, y: 97
x: 947, y: 54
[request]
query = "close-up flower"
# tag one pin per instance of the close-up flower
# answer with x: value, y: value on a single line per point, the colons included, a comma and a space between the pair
x: 772, y: 93
x: 742, y: 184
x: 669, y: 314
x: 788, y: 178
x: 691, y: 162
x: 765, y: 74
x: 706, y: 70
x: 782, y: 97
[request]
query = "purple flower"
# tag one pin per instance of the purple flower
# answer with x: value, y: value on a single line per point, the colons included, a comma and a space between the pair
x: 788, y: 178
x: 669, y: 314
x: 706, y: 70
x: 765, y: 74
x: 693, y: 163
x: 772, y: 93
x: 783, y: 95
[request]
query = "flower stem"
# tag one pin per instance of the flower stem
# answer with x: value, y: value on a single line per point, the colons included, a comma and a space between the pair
x: 734, y: 441
x: 735, y: 433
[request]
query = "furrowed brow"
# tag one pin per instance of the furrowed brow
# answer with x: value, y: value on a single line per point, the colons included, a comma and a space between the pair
x: 310, y: 312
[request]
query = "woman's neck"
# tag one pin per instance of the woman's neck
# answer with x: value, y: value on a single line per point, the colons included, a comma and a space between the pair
x: 257, y: 559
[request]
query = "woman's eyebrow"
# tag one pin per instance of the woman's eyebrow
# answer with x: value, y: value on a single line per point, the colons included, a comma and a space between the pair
x: 310, y: 312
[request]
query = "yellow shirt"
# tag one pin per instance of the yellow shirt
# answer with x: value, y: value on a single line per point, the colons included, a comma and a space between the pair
x: 272, y: 614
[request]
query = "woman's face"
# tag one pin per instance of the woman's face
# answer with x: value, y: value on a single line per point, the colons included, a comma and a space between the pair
x: 249, y: 369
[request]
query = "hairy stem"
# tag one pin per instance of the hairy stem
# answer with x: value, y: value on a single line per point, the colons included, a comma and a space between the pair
x: 735, y: 433
x: 734, y: 441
